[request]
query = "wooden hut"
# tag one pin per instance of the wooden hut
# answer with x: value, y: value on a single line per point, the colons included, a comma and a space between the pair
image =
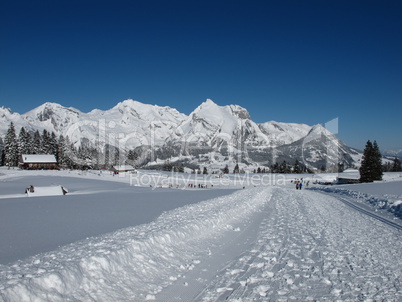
x: 123, y: 168
x: 38, y: 162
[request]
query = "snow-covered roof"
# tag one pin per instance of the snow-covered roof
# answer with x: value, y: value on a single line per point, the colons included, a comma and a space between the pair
x: 124, y: 168
x: 38, y: 158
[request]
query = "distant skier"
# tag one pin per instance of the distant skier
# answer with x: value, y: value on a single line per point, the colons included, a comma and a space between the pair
x: 300, y: 185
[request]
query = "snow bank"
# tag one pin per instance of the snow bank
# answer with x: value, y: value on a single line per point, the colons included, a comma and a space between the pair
x: 383, y: 195
x: 133, y: 263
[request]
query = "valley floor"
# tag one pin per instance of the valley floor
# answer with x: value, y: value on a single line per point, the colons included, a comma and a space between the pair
x: 263, y: 243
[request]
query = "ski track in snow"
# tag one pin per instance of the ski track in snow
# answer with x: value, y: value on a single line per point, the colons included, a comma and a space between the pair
x: 310, y: 247
x: 258, y: 244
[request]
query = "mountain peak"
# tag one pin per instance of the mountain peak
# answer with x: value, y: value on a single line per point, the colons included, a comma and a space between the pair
x: 239, y: 111
x: 207, y: 104
x: 5, y: 109
x: 127, y: 103
x: 319, y: 130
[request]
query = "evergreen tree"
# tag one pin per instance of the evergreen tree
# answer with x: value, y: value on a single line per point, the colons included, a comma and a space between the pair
x: 396, y: 166
x: 2, y: 155
x: 11, y: 152
x: 132, y: 157
x: 60, y: 151
x: 3, y: 158
x: 366, y: 166
x: 168, y: 166
x: 53, y: 144
x: 180, y: 168
x: 69, y: 153
x: 205, y: 171
x: 24, y: 142
x: 371, y: 167
x: 284, y: 167
x: 226, y: 170
x: 236, y: 169
x: 36, y: 143
x: 46, y: 144
x: 377, y: 162
x: 296, y: 167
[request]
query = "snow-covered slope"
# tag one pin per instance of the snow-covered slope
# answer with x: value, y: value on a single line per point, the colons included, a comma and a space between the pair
x: 213, y: 125
x: 318, y: 148
x: 284, y: 133
x: 226, y: 131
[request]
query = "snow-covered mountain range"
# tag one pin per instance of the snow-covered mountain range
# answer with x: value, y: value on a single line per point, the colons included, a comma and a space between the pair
x: 210, y: 135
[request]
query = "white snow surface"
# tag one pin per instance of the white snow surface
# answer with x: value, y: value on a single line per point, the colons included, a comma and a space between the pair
x: 263, y: 243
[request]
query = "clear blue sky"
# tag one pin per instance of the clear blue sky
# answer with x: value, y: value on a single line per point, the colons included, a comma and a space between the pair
x: 289, y: 61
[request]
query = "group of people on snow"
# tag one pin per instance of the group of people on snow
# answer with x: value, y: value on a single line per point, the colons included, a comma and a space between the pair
x: 200, y: 186
x: 299, y: 183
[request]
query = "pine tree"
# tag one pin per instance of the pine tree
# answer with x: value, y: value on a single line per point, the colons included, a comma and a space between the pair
x: 24, y: 141
x: 3, y: 158
x: 236, y: 169
x: 36, y: 143
x: 366, y: 166
x: 396, y: 165
x: 132, y: 157
x: 68, y: 152
x: 275, y: 168
x: 296, y: 167
x: 371, y: 167
x: 377, y: 162
x: 2, y: 155
x: 11, y: 152
x: 284, y: 167
x: 226, y: 170
x: 205, y: 171
x: 46, y: 143
x: 60, y: 151
x: 53, y: 144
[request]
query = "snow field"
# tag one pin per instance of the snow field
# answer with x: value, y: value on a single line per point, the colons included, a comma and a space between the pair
x: 264, y: 243
x: 133, y: 264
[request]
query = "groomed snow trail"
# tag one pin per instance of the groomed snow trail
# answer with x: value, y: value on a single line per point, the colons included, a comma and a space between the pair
x: 133, y: 264
x: 312, y: 247
x: 258, y: 244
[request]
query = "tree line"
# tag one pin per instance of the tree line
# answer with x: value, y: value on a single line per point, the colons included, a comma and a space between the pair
x: 87, y: 156
x: 67, y: 155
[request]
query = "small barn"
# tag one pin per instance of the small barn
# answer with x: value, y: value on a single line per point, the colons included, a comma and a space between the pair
x: 38, y: 162
x: 123, y: 168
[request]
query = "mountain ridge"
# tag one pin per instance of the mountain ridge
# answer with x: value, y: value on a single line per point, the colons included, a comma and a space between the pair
x: 226, y: 131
